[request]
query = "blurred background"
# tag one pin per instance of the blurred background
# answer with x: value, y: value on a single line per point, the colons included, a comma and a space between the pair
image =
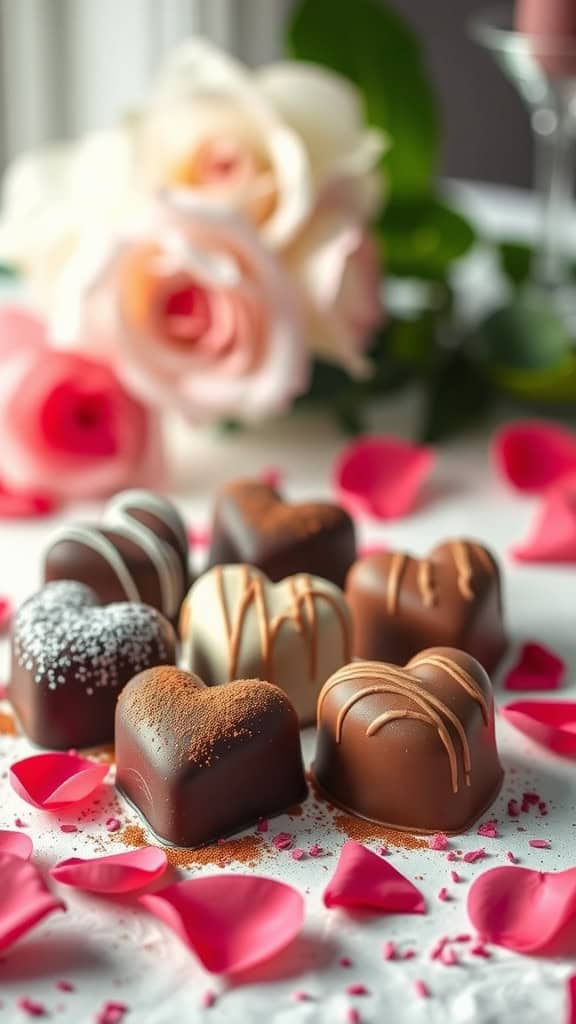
x: 71, y: 65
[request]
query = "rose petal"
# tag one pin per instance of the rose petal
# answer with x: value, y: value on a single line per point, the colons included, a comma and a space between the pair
x: 17, y: 844
x: 231, y: 922
x: 25, y: 898
x: 120, y: 872
x: 51, y: 781
x: 16, y: 504
x: 553, y: 535
x: 363, y: 879
x: 526, y: 911
x: 381, y: 476
x: 537, y: 668
x: 531, y: 456
x: 552, y: 724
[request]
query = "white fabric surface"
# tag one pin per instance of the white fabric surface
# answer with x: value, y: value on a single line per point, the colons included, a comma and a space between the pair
x: 110, y: 951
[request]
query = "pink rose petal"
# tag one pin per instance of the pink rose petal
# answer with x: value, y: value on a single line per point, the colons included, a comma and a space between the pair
x: 381, y: 476
x: 230, y: 922
x: 526, y: 911
x: 532, y: 456
x: 52, y: 781
x: 120, y: 872
x: 552, y: 724
x: 25, y: 898
x: 363, y: 879
x: 553, y: 534
x: 17, y: 844
x: 537, y: 668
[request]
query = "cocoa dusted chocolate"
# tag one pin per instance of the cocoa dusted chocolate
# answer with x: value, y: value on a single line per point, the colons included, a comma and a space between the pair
x: 253, y: 525
x: 452, y: 598
x: 235, y: 624
x: 139, y: 553
x: 71, y: 657
x: 412, y: 748
x: 200, y: 763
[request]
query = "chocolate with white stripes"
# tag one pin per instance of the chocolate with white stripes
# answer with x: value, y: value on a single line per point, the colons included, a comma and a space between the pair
x: 451, y: 598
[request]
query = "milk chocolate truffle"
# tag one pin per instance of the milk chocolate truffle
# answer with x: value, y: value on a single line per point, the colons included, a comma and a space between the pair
x: 71, y: 657
x: 204, y: 762
x: 452, y: 598
x: 413, y: 748
x: 236, y: 623
x: 138, y: 554
x: 253, y: 525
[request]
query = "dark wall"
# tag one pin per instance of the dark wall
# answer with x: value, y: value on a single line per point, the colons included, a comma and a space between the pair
x: 486, y: 128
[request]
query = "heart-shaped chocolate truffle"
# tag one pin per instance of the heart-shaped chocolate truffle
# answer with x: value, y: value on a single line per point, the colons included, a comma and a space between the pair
x: 139, y: 553
x: 71, y: 657
x: 296, y: 633
x: 203, y: 762
x: 412, y: 748
x: 400, y: 604
x: 253, y: 525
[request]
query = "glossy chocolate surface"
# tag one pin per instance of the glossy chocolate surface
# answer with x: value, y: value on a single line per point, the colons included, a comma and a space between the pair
x: 253, y: 525
x: 71, y: 657
x: 138, y: 553
x: 203, y: 762
x: 452, y: 598
x: 235, y: 624
x: 413, y: 748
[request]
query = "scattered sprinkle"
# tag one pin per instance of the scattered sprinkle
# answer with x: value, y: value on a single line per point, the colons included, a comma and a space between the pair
x: 448, y: 957
x: 113, y: 825
x: 408, y: 954
x: 208, y: 999
x: 389, y: 951
x: 488, y: 830
x: 345, y: 961
x: 111, y: 1013
x: 65, y: 986
x: 511, y: 857
x: 539, y: 844
x: 262, y: 825
x: 283, y: 841
x: 473, y: 855
x: 462, y: 937
x: 421, y: 989
x: 438, y: 947
x: 443, y: 894
x: 68, y: 828
x: 479, y: 949
x: 455, y: 877
x: 438, y: 842
x: 357, y: 989
x: 297, y: 854
x: 31, y: 1007
x: 383, y: 851
x: 352, y: 1015
x: 300, y: 996
x: 19, y: 823
x: 315, y: 851
x: 513, y: 809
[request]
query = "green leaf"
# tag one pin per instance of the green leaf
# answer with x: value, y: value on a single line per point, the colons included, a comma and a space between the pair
x: 423, y: 237
x: 515, y: 261
x: 554, y: 386
x: 524, y: 335
x: 375, y: 48
x: 458, y: 395
x: 7, y: 271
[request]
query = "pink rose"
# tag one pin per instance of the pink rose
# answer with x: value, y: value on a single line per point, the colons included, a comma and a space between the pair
x: 192, y: 310
x: 67, y: 426
x: 336, y: 267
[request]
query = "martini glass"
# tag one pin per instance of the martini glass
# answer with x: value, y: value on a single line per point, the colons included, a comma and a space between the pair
x: 542, y: 66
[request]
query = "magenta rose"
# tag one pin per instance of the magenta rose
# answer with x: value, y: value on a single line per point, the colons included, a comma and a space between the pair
x: 68, y: 428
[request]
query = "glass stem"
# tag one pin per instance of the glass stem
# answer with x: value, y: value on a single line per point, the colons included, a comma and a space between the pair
x: 555, y: 145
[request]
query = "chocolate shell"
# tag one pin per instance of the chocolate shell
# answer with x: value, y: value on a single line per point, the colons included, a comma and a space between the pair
x: 253, y: 525
x: 452, y: 598
x: 71, y: 657
x: 236, y: 623
x: 204, y: 762
x: 139, y: 553
x: 412, y: 748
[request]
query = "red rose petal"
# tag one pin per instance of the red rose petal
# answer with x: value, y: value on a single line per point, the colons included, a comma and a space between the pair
x: 381, y: 476
x: 526, y: 911
x: 363, y: 879
x: 230, y: 922
x: 17, y: 844
x: 537, y: 668
x: 120, y: 872
x: 552, y: 724
x: 26, y: 900
x: 532, y: 455
x: 52, y: 781
x: 553, y: 535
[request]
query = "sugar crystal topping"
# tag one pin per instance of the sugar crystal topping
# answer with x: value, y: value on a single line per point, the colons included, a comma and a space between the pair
x: 62, y: 635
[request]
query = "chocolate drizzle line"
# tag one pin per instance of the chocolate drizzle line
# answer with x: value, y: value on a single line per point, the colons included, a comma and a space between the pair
x: 302, y: 614
x: 426, y: 583
x: 390, y: 679
x: 397, y: 565
x: 464, y: 570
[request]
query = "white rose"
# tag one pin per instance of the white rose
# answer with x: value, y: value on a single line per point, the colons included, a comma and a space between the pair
x: 267, y: 142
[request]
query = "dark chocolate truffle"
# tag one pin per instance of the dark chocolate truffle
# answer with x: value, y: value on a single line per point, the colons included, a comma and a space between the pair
x: 139, y: 553
x: 203, y: 762
x: 411, y: 748
x: 453, y: 598
x: 253, y: 525
x: 71, y: 657
x: 236, y: 623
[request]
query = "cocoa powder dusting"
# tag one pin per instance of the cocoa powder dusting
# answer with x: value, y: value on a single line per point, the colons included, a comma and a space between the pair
x: 357, y: 828
x: 247, y: 850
